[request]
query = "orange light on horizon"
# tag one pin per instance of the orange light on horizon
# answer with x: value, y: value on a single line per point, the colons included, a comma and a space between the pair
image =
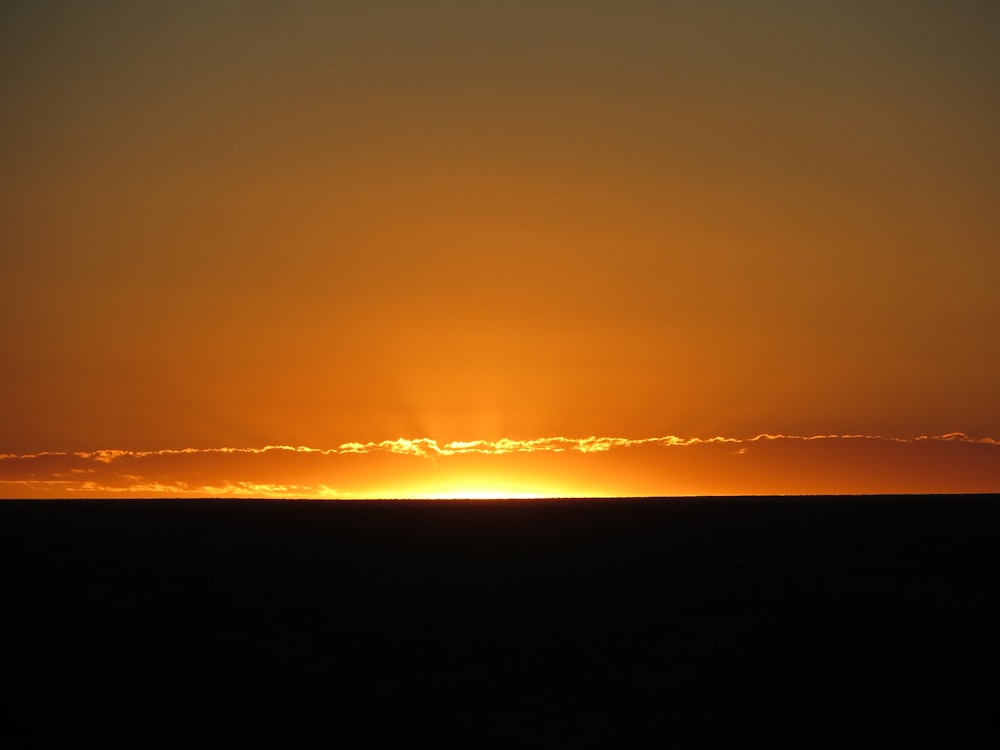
x: 488, y: 485
x: 544, y: 467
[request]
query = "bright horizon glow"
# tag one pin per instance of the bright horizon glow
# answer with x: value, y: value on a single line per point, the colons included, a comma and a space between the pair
x: 482, y: 493
x: 550, y: 467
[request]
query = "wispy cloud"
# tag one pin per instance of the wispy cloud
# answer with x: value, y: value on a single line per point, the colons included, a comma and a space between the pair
x: 429, y: 447
x: 279, y: 470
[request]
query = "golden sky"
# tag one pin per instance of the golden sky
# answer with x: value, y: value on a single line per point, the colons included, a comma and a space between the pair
x: 657, y: 247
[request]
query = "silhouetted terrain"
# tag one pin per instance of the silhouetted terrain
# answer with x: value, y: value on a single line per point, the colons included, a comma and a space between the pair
x: 545, y: 623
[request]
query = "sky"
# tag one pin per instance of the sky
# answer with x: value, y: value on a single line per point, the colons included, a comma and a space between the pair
x: 388, y: 248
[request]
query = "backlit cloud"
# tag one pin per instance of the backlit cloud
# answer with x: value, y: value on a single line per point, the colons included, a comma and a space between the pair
x: 665, y: 465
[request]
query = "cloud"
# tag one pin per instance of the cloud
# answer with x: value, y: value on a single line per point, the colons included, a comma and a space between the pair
x: 429, y: 447
x: 766, y: 463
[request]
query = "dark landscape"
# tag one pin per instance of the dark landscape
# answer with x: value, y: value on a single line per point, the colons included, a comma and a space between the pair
x: 579, y: 623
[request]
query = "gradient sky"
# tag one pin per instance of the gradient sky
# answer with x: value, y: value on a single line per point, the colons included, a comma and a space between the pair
x: 233, y: 225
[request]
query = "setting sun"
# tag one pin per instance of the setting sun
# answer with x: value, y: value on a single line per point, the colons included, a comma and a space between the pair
x: 474, y: 493
x: 487, y: 486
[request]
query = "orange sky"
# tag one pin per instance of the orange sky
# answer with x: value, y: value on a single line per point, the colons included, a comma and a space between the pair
x: 240, y: 224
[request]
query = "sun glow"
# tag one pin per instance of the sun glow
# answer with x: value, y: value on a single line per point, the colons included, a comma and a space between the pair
x: 547, y: 467
x: 489, y: 488
x: 477, y: 493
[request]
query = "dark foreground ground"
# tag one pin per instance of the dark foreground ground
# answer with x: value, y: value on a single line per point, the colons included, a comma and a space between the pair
x: 549, y: 624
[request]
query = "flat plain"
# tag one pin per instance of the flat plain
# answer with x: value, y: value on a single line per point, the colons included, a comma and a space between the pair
x: 584, y: 623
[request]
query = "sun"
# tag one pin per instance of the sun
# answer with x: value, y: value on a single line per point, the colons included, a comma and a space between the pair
x: 489, y: 488
x: 478, y: 493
